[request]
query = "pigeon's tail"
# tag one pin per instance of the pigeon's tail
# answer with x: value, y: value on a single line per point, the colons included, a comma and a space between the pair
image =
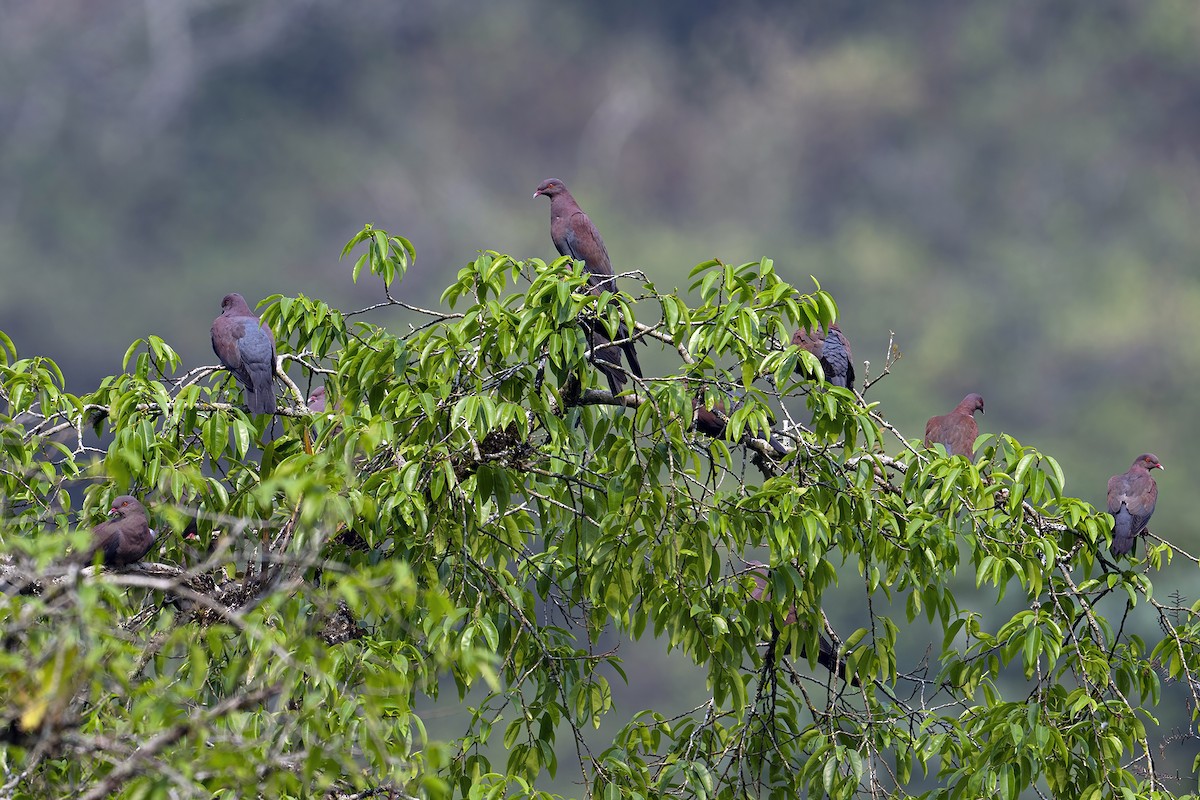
x: 260, y: 394
x: 777, y: 445
x: 606, y: 357
x: 608, y: 361
x: 1122, y: 532
x: 630, y: 351
x: 84, y: 557
x: 616, y: 381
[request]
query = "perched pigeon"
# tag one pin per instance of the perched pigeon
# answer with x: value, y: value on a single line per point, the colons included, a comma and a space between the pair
x: 574, y: 235
x: 247, y: 348
x: 711, y: 423
x: 316, y: 400
x: 1131, y: 499
x: 837, y: 360
x: 122, y: 540
x: 957, y: 431
x: 832, y: 350
x: 826, y: 653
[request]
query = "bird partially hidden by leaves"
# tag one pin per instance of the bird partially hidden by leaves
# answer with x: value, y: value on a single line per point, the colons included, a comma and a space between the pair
x: 827, y: 655
x: 1132, y: 496
x: 124, y: 539
x: 956, y: 431
x: 832, y: 349
x: 713, y: 422
x: 574, y: 235
x: 316, y: 400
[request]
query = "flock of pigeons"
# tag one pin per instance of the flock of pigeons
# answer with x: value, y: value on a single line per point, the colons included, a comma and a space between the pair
x: 246, y: 347
x: 1131, y: 495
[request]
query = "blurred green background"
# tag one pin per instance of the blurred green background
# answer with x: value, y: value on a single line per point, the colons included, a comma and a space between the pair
x: 1011, y: 188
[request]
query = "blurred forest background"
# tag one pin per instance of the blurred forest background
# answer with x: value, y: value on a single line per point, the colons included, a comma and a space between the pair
x: 1013, y: 189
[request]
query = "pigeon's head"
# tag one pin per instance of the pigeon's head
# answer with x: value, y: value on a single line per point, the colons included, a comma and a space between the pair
x: 233, y: 300
x: 972, y: 403
x: 550, y: 187
x: 1149, y: 461
x: 123, y: 505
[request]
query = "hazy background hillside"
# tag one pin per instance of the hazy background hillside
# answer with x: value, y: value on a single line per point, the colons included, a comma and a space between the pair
x: 1012, y: 188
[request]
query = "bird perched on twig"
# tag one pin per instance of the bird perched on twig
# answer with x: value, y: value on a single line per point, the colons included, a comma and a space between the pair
x: 574, y: 235
x: 1131, y: 499
x: 956, y: 431
x: 832, y: 349
x: 712, y: 423
x: 827, y: 655
x: 246, y: 348
x: 122, y: 540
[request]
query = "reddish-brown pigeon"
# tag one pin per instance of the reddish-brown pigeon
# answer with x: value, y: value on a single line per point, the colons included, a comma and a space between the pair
x: 957, y: 431
x: 122, y: 540
x: 826, y: 654
x: 316, y: 400
x: 1131, y: 499
x: 574, y: 235
x: 832, y: 350
x: 706, y: 420
x: 247, y: 349
x: 710, y: 423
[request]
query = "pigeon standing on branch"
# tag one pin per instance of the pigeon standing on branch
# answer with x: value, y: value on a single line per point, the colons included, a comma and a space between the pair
x: 247, y: 349
x: 1131, y: 499
x: 836, y: 358
x: 574, y: 235
x: 713, y: 422
x: 122, y: 540
x: 956, y: 431
x: 827, y: 655
x: 832, y: 350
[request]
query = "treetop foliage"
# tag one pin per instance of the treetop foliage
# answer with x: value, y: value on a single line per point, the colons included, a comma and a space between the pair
x: 475, y: 517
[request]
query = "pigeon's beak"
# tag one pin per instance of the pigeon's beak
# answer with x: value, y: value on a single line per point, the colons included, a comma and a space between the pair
x: 537, y: 194
x: 1160, y: 466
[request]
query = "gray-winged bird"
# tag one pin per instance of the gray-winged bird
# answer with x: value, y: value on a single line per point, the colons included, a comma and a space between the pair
x: 574, y: 235
x: 826, y: 653
x: 711, y: 423
x: 247, y: 349
x: 1131, y: 499
x: 832, y: 349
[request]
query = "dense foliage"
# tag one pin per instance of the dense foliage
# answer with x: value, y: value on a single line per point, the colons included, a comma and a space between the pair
x: 472, y: 515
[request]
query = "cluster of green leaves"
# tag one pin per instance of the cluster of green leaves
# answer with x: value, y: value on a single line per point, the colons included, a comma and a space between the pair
x: 472, y: 507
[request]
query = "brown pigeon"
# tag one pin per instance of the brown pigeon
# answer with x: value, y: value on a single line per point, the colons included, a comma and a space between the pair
x: 706, y: 421
x: 574, y: 235
x: 826, y: 653
x: 957, y: 431
x: 247, y: 349
x: 122, y: 540
x: 710, y: 423
x: 832, y: 350
x: 1131, y: 499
